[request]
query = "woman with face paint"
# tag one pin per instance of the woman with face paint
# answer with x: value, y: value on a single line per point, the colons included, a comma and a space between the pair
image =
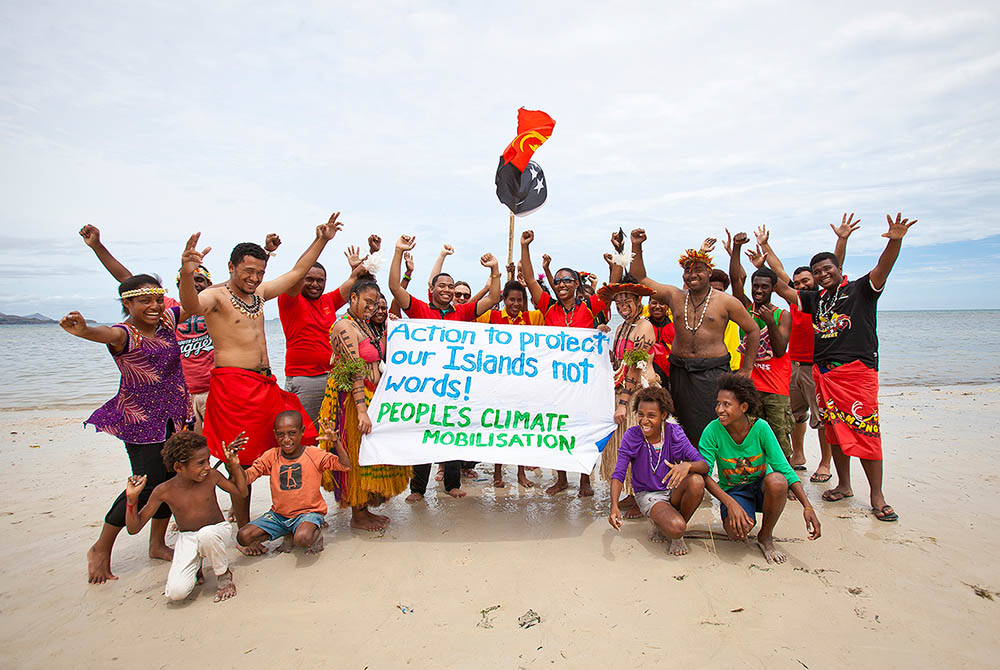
x: 632, y: 372
x: 356, y: 370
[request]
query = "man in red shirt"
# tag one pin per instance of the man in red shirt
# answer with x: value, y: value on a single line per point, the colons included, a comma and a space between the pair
x: 307, y: 314
x: 567, y: 310
x: 440, y: 307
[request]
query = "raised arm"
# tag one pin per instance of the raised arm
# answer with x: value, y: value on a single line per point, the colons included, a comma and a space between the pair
x: 736, y: 274
x: 324, y: 233
x: 191, y: 301
x: 404, y: 282
x: 237, y: 483
x: 135, y: 520
x: 483, y: 292
x: 739, y: 314
x: 779, y: 331
x: 92, y: 238
x: 357, y: 269
x: 784, y: 287
x: 847, y: 226
x: 897, y: 230
x: 486, y: 303
x: 531, y: 282
x: 438, y: 267
x: 400, y: 297
x: 74, y: 324
x: 664, y: 292
x: 547, y: 270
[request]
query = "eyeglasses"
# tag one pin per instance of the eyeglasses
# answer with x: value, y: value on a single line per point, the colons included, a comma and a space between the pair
x: 563, y: 280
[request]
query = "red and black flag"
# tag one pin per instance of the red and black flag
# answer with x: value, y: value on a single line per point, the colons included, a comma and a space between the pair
x: 520, y: 181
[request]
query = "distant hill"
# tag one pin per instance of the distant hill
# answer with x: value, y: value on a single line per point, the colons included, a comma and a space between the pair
x: 31, y: 319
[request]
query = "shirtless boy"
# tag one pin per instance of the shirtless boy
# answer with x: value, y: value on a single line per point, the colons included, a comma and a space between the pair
x: 202, y: 530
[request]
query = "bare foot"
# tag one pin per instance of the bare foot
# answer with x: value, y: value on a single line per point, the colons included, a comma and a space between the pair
x: 499, y: 483
x: 586, y: 490
x: 522, y: 480
x: 254, y: 549
x: 227, y: 589
x: 316, y: 546
x: 655, y: 534
x: 457, y: 493
x: 440, y: 474
x: 631, y: 513
x: 677, y: 547
x: 557, y: 487
x: 363, y: 520
x: 98, y: 566
x: 469, y: 473
x: 286, y: 546
x: 414, y: 497
x: 381, y: 517
x: 766, y: 545
x: 162, y: 552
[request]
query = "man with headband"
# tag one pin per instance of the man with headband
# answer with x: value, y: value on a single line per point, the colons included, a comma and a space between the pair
x: 197, y: 350
x: 699, y: 355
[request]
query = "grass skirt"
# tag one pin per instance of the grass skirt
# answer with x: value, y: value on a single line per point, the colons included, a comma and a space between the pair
x: 354, y: 487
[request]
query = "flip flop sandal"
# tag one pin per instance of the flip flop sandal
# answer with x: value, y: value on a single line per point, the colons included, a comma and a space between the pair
x: 835, y: 496
x: 820, y: 477
x: 882, y: 515
x: 798, y: 467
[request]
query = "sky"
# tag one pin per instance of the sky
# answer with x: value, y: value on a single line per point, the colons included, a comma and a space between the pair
x: 154, y: 120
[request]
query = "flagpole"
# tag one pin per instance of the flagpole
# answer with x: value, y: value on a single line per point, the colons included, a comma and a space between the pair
x: 510, y: 244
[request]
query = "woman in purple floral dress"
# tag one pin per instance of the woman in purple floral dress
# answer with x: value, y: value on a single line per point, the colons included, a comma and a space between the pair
x: 152, y: 402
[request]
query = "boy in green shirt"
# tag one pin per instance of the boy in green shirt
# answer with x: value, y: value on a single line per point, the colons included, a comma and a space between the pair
x: 754, y: 475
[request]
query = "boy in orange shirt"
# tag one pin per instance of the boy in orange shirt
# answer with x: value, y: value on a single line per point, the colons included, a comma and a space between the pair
x: 296, y: 473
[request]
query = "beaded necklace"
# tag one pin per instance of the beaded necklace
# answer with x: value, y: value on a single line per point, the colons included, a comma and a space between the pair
x: 828, y: 302
x: 251, y: 310
x: 649, y: 451
x: 687, y: 300
x: 366, y: 330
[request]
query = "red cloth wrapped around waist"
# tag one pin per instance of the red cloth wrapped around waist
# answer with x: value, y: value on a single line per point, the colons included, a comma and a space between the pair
x: 848, y: 404
x: 245, y: 401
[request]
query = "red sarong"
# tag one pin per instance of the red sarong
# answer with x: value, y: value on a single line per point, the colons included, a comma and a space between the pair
x: 243, y: 401
x: 848, y: 405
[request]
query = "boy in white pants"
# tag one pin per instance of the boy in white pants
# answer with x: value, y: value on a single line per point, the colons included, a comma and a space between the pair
x: 204, y: 533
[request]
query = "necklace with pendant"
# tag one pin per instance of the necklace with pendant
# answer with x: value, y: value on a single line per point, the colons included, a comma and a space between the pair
x: 687, y: 301
x: 649, y: 451
x: 251, y: 310
x: 826, y: 306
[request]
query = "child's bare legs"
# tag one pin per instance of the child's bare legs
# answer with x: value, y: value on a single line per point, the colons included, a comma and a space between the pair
x: 99, y: 555
x: 498, y: 482
x: 586, y: 490
x: 775, y: 491
x: 629, y: 508
x: 241, y: 510
x: 309, y: 536
x: 842, y: 463
x: 561, y: 483
x: 250, y: 536
x: 157, y: 540
x: 522, y: 478
x: 361, y: 519
x: 671, y: 519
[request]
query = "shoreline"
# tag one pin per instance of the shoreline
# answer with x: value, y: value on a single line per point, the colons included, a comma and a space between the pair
x: 866, y: 593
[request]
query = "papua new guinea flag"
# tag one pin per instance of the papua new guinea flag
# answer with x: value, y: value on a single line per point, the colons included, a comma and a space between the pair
x: 520, y: 181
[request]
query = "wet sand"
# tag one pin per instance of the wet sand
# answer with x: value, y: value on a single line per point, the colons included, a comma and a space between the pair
x: 922, y: 592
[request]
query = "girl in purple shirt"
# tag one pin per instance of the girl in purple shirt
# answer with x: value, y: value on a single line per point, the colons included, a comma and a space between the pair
x: 667, y: 472
x: 152, y: 402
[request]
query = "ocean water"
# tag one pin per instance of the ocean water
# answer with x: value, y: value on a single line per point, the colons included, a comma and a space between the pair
x: 47, y: 367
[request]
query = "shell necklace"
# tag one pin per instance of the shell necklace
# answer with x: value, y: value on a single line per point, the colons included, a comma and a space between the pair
x: 828, y: 303
x: 649, y: 451
x: 687, y: 301
x: 251, y: 310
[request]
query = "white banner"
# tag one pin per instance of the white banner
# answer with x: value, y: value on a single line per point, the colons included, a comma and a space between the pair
x: 524, y: 395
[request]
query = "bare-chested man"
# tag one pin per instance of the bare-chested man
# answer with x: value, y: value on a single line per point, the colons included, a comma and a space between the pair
x: 243, y: 394
x: 699, y: 355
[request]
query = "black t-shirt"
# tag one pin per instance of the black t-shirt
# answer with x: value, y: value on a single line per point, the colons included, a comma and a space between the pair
x: 844, y: 324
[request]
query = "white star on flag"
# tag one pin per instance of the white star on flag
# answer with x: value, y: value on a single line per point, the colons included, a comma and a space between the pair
x: 534, y: 173
x: 539, y: 185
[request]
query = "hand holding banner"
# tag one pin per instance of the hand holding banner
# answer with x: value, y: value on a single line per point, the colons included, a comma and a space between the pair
x: 521, y: 395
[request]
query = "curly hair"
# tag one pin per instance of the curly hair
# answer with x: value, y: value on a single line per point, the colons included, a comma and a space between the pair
x: 180, y: 447
x: 743, y: 389
x: 654, y: 394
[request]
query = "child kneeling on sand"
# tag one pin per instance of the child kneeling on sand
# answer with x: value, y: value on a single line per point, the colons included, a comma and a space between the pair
x: 667, y: 472
x: 203, y: 531
x: 296, y: 473
x: 754, y: 475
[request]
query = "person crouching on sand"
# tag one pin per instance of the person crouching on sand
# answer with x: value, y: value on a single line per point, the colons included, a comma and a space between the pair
x: 667, y: 472
x: 296, y: 473
x: 754, y: 475
x: 202, y: 530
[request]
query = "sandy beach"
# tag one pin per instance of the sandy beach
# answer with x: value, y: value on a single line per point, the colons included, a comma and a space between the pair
x: 921, y: 593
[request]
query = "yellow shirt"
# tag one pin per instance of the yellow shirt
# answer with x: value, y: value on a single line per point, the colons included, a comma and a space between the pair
x: 534, y: 317
x: 731, y: 338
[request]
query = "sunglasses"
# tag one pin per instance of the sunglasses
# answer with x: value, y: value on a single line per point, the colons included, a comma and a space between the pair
x: 563, y: 280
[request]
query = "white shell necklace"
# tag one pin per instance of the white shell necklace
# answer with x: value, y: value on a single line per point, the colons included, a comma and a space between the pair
x: 687, y: 300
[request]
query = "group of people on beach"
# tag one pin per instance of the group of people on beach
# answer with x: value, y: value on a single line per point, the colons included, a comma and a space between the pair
x: 704, y: 380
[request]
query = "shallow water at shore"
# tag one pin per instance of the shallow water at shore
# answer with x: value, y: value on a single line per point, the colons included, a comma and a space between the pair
x: 47, y: 367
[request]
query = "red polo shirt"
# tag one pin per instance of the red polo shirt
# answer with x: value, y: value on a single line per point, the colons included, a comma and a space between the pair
x: 419, y: 309
x: 588, y: 313
x: 307, y: 326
